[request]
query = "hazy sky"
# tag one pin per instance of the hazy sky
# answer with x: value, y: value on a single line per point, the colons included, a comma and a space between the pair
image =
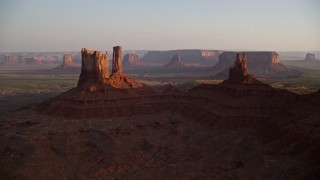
x: 69, y: 25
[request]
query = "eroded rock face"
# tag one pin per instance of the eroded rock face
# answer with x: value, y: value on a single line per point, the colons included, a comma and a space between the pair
x: 175, y: 62
x: 67, y: 62
x: 264, y: 64
x: 95, y: 67
x: 117, y: 60
x: 131, y: 60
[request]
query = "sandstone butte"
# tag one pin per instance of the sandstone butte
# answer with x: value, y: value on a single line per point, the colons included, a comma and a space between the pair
x: 67, y: 62
x: 119, y: 128
x: 175, y: 62
x: 131, y: 60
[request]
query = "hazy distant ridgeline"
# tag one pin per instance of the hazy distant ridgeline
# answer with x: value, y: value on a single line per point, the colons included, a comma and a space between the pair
x: 187, y: 56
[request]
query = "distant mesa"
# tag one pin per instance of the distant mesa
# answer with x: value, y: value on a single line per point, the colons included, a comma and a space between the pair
x: 67, y: 62
x: 203, y: 57
x: 310, y: 61
x: 175, y: 62
x: 13, y: 60
x: 131, y: 60
x: 310, y: 57
x: 261, y: 64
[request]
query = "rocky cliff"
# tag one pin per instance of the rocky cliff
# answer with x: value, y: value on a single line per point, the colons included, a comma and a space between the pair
x: 262, y: 64
x: 175, y: 62
x: 131, y: 60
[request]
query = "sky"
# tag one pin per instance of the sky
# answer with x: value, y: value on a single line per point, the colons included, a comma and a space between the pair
x: 69, y: 25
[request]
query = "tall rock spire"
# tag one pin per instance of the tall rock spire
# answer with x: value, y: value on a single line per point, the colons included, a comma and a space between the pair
x: 117, y: 60
x: 238, y: 73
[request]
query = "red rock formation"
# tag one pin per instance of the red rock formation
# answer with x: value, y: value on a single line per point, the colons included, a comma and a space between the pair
x: 67, y: 62
x: 95, y: 71
x: 131, y: 60
x: 95, y: 68
x: 117, y: 60
x: 175, y: 62
x: 95, y: 85
x: 262, y: 64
